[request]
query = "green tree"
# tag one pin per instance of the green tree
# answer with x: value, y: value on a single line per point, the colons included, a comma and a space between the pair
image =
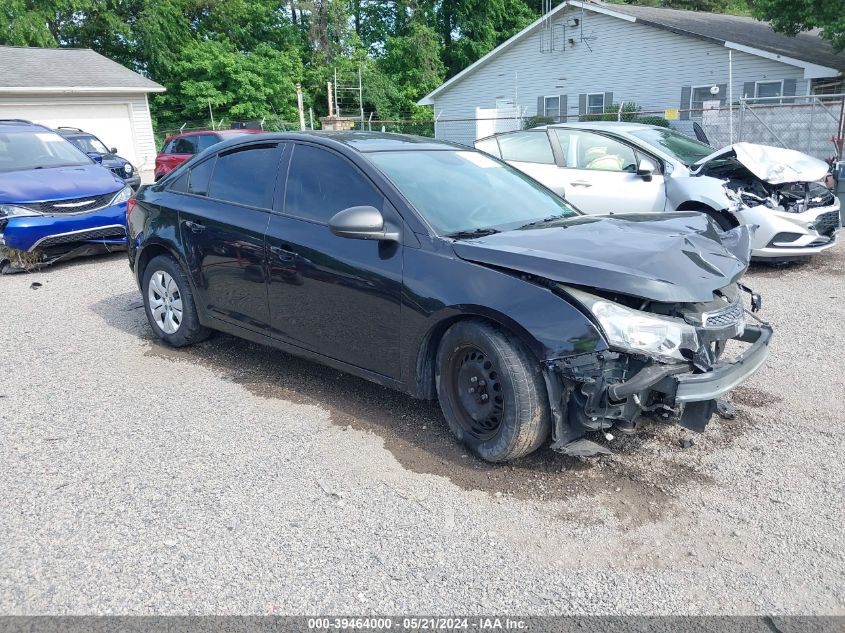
x: 793, y: 16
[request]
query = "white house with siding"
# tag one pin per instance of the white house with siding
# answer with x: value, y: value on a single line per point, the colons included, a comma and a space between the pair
x: 583, y: 56
x: 80, y: 88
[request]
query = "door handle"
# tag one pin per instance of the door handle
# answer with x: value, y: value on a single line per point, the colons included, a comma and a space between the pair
x: 581, y: 183
x: 195, y: 227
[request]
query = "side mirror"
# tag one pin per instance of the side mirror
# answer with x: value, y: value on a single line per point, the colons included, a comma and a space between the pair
x: 362, y: 223
x: 646, y: 169
x: 113, y: 150
x: 95, y: 157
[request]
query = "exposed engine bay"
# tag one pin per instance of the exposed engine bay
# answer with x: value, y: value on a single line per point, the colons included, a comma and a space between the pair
x: 791, y: 197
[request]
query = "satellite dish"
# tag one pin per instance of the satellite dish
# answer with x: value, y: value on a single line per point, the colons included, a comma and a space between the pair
x: 714, y: 90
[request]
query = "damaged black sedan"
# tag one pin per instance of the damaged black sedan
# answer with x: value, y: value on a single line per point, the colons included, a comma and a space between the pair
x: 442, y: 272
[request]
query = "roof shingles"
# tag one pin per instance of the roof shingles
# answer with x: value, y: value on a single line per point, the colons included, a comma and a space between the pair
x: 66, y: 69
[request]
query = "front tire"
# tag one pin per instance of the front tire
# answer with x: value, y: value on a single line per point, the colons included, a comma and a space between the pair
x: 491, y: 392
x: 169, y: 303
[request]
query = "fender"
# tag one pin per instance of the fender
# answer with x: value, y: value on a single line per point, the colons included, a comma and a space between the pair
x: 699, y: 189
x: 547, y: 324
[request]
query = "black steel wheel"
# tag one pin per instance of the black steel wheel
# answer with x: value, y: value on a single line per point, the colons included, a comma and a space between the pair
x: 491, y: 391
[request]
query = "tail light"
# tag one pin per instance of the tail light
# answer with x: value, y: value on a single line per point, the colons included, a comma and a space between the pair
x: 130, y: 206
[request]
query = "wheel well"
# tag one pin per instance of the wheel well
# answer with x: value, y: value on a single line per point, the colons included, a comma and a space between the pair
x: 689, y: 205
x: 151, y: 251
x: 425, y: 388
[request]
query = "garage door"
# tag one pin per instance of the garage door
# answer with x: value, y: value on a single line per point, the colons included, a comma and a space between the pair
x: 109, y: 122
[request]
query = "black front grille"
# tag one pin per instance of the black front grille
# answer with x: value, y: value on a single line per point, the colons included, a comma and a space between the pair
x: 118, y: 171
x: 827, y: 223
x: 724, y: 317
x: 104, y: 233
x: 72, y: 205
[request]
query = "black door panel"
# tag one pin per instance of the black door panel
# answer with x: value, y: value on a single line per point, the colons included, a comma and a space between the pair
x: 336, y: 296
x: 224, y: 244
x: 223, y: 229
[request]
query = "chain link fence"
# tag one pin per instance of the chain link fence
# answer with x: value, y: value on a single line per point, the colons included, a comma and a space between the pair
x: 814, y: 125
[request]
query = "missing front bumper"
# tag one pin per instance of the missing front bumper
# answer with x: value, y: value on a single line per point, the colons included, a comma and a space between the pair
x: 595, y: 392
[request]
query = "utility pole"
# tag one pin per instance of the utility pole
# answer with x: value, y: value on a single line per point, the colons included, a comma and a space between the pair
x: 299, y: 106
x: 210, y: 114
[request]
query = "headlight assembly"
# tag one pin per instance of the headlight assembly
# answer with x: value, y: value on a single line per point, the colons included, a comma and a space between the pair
x: 631, y: 330
x: 127, y: 169
x: 122, y: 196
x: 14, y: 211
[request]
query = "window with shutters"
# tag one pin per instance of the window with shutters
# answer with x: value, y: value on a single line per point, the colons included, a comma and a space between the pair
x: 552, y: 106
x: 595, y: 103
x: 769, y: 89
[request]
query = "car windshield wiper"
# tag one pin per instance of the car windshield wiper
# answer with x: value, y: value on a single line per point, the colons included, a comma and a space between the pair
x: 551, y: 218
x: 469, y: 234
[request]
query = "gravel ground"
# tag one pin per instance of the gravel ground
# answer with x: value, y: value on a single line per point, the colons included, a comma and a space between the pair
x: 230, y: 478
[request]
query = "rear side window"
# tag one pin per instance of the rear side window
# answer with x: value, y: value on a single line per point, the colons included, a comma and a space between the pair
x: 321, y: 183
x: 527, y: 147
x: 200, y: 175
x: 246, y: 175
x: 491, y: 146
x: 183, y: 145
x: 204, y: 141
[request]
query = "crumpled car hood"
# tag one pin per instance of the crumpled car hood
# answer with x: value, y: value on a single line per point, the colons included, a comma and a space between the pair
x: 667, y: 257
x: 774, y: 165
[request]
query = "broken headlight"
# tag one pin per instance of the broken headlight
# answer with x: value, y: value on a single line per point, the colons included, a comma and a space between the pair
x: 640, y: 332
x: 14, y: 211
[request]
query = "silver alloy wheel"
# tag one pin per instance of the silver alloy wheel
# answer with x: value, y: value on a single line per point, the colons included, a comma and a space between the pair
x: 165, y: 302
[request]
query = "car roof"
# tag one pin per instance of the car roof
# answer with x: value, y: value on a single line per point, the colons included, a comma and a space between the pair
x: 22, y: 125
x: 361, y: 142
x: 217, y: 132
x: 614, y: 126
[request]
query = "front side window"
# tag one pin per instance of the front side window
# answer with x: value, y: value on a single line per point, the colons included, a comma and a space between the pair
x: 527, y: 147
x: 90, y: 144
x: 595, y: 103
x: 458, y: 190
x: 587, y: 150
x: 31, y: 150
x: 685, y: 149
x: 320, y: 183
x: 245, y: 175
x: 552, y: 106
x: 200, y: 177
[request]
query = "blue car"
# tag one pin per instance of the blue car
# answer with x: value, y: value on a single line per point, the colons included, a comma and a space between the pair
x: 56, y: 203
x: 97, y: 150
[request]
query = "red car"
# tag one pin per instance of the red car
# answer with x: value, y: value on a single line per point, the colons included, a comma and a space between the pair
x: 180, y: 147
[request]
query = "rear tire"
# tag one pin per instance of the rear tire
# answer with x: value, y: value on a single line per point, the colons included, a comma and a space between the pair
x: 169, y: 303
x: 491, y: 391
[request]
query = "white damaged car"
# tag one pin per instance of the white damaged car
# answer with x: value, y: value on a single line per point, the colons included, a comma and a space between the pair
x: 607, y: 167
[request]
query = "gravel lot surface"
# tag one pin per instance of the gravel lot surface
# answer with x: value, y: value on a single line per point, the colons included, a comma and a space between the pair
x: 232, y: 478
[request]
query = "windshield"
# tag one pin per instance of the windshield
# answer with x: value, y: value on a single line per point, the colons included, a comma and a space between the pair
x: 685, y: 149
x: 465, y: 191
x: 34, y: 150
x: 90, y: 144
